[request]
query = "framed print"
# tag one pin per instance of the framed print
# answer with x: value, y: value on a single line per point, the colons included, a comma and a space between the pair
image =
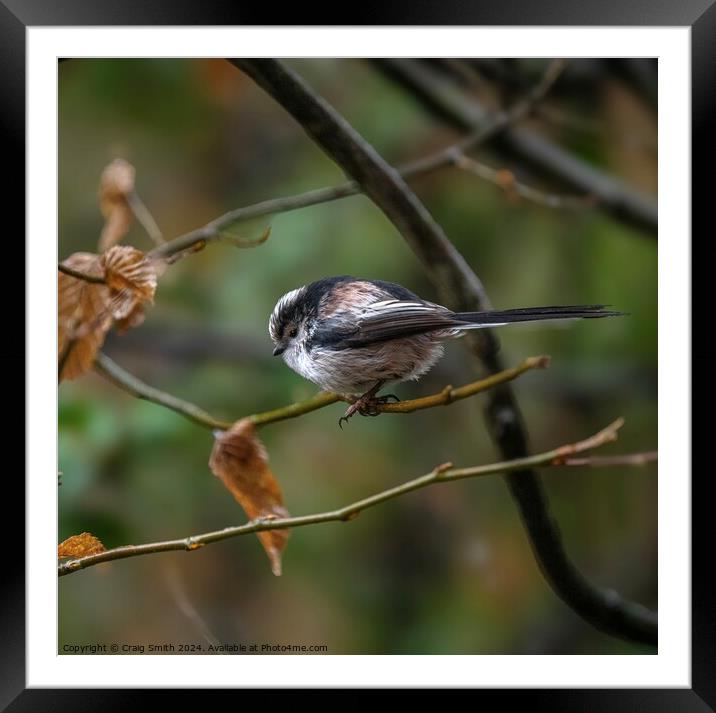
x: 291, y: 258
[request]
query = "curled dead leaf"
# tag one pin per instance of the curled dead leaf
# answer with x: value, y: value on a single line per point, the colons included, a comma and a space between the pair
x: 241, y: 461
x: 132, y: 281
x: 84, y: 316
x: 86, y: 309
x: 80, y: 546
x: 115, y: 186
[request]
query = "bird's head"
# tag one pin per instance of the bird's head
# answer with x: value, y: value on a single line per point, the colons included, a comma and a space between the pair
x: 288, y: 321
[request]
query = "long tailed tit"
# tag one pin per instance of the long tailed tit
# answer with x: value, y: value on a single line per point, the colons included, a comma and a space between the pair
x: 352, y: 336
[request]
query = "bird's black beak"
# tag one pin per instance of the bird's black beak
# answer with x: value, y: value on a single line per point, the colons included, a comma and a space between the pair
x: 279, y: 350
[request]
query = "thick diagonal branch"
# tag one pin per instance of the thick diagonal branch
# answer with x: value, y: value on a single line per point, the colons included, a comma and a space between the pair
x: 461, y: 289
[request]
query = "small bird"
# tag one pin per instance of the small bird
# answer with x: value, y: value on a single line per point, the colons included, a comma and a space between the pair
x: 352, y: 336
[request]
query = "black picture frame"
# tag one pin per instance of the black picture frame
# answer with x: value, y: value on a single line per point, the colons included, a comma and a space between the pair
x: 699, y: 15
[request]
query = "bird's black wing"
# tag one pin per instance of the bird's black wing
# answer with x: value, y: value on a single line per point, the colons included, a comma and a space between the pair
x: 394, y: 318
x: 382, y: 321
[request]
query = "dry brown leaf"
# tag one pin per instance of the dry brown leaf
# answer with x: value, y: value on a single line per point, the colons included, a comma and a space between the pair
x: 115, y: 185
x: 80, y: 546
x: 240, y: 460
x: 84, y: 316
x: 132, y: 281
x: 133, y: 319
x: 86, y: 310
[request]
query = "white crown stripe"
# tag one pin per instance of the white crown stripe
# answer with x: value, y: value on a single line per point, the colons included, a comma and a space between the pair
x: 287, y: 299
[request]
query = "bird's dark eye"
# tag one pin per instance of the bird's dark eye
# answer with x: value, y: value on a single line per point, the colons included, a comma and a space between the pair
x: 293, y: 332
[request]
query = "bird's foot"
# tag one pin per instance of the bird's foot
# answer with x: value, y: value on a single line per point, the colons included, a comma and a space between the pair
x: 367, y: 405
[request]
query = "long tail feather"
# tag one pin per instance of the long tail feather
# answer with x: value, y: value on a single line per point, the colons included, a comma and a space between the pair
x: 532, y: 314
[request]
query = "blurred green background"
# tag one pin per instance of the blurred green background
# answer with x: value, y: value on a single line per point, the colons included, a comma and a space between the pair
x: 444, y: 570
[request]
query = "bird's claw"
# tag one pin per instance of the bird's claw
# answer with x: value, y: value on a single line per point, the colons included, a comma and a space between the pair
x: 355, y: 406
x: 367, y: 406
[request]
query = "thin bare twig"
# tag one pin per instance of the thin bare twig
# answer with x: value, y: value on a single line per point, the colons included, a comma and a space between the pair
x: 630, y: 459
x: 441, y: 474
x: 94, y: 279
x: 145, y: 218
x: 513, y: 188
x: 126, y: 381
x: 174, y: 250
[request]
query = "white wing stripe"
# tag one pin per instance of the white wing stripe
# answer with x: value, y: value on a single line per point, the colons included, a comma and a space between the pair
x: 397, y: 305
